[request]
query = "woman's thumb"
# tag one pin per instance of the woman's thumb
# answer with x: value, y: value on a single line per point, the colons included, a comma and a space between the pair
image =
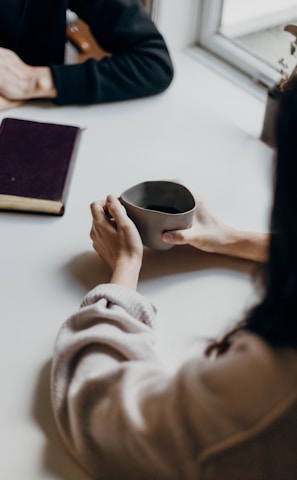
x: 174, y: 236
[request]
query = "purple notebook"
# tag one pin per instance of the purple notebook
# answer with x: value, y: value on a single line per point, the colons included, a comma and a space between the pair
x: 36, y: 164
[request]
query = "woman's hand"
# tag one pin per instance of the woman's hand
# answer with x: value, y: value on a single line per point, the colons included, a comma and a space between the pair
x: 117, y: 241
x: 19, y: 81
x: 209, y: 234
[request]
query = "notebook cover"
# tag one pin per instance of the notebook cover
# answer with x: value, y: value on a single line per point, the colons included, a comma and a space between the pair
x: 36, y: 159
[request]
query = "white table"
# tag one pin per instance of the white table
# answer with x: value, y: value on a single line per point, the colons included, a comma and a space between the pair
x: 197, y: 132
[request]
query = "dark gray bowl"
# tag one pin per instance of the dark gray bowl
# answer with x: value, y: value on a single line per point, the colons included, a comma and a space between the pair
x: 157, y: 206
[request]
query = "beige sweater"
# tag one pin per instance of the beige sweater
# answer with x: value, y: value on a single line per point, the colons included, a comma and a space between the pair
x: 123, y: 417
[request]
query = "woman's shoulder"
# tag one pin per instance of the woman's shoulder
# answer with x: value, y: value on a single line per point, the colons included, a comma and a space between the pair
x: 249, y: 380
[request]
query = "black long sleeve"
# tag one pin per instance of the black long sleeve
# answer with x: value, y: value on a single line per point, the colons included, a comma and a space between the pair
x: 139, y: 64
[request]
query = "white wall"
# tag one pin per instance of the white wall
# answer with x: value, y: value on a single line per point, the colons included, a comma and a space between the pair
x: 177, y: 20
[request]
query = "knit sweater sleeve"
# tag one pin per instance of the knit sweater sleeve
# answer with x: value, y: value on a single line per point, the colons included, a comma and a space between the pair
x: 92, y: 388
x: 139, y: 63
x: 117, y: 409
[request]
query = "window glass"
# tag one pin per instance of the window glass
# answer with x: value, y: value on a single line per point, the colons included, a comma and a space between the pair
x: 258, y: 26
x: 250, y: 35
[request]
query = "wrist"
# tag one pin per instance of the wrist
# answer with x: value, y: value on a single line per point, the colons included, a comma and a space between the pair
x: 126, y: 272
x: 229, y: 241
x: 44, y: 83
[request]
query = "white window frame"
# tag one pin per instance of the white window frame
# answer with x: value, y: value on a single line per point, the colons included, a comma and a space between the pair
x: 192, y: 25
x: 210, y: 39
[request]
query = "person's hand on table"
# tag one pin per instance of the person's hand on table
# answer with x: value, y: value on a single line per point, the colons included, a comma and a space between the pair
x: 210, y: 234
x: 6, y: 104
x: 20, y: 82
x: 117, y: 241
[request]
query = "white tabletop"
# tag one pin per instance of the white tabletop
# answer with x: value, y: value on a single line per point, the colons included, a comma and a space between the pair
x: 202, y: 130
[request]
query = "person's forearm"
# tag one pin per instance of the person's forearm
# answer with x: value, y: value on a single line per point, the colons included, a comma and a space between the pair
x: 138, y: 64
x: 248, y: 245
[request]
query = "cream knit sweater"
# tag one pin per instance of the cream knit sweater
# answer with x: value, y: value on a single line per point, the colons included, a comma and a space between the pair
x: 123, y: 417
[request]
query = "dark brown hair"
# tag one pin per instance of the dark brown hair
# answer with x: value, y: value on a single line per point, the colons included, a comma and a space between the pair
x: 275, y: 317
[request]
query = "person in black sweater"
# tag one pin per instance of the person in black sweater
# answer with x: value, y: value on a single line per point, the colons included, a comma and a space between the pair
x: 32, y: 44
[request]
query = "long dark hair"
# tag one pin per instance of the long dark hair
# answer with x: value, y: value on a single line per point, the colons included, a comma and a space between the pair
x: 275, y: 317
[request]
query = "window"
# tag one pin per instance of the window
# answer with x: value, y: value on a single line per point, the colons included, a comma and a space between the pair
x: 249, y: 34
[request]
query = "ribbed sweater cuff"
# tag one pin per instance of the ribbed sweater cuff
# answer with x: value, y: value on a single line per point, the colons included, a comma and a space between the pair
x: 131, y: 301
